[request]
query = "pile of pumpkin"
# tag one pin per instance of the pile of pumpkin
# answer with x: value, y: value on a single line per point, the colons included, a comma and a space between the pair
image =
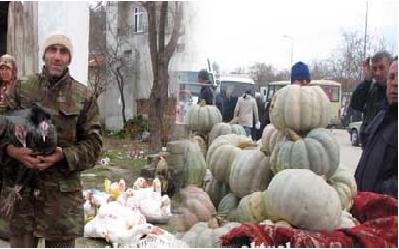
x: 292, y: 179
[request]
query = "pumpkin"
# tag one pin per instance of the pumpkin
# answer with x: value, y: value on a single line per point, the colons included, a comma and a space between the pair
x: 252, y: 208
x: 224, y: 129
x: 222, y: 152
x: 280, y: 223
x: 187, y: 159
x: 228, y: 207
x: 217, y: 190
x: 300, y: 108
x: 347, y: 221
x: 207, y: 234
x: 270, y: 137
x: 304, y: 200
x: 345, y: 184
x: 318, y: 151
x: 196, y: 206
x: 202, y: 117
x: 250, y: 172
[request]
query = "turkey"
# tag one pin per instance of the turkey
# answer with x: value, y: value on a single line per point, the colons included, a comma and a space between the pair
x: 30, y: 128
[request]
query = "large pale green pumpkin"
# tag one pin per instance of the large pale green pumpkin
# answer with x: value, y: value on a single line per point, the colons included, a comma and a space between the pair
x: 187, y: 159
x: 304, y: 200
x: 318, y: 151
x: 300, y: 108
x: 202, y: 117
x: 228, y: 207
x: 252, y: 208
x: 222, y: 152
x: 195, y: 206
x: 224, y: 129
x: 345, y: 184
x: 270, y: 137
x: 205, y: 235
x: 195, y: 165
x: 250, y: 172
x: 217, y: 190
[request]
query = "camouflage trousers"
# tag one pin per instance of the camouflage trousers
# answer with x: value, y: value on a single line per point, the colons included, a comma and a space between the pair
x: 49, y: 213
x: 29, y: 241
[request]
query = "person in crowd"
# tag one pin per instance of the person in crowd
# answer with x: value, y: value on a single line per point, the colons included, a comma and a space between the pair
x: 245, y: 111
x: 377, y: 170
x: 300, y: 74
x: 369, y: 96
x: 52, y: 207
x: 8, y: 79
x: 229, y: 104
x: 206, y: 92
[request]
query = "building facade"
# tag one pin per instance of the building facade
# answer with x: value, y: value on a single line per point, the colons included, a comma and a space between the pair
x: 127, y: 33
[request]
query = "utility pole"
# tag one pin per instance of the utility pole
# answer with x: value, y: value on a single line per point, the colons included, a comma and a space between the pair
x: 365, y: 34
x: 292, y: 47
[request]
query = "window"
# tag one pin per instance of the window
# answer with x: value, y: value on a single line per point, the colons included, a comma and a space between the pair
x: 138, y: 20
x: 332, y: 93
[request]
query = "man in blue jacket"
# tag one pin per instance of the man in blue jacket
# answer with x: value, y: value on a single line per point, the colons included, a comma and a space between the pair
x: 377, y: 170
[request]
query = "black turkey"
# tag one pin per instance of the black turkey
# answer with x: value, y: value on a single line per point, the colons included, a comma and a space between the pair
x: 32, y: 128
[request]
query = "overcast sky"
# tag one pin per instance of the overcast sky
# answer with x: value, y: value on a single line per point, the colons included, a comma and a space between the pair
x: 239, y: 33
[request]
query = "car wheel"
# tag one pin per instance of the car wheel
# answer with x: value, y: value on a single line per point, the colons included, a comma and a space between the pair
x: 354, y: 137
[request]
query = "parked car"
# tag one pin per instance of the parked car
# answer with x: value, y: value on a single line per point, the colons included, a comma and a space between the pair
x: 354, y: 131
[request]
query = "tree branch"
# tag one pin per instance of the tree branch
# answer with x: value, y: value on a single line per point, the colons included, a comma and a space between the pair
x: 170, y: 48
x: 152, y: 34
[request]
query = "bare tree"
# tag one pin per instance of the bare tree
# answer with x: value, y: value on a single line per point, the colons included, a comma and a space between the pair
x: 263, y: 73
x: 97, y: 50
x: 161, y: 54
x: 118, y: 63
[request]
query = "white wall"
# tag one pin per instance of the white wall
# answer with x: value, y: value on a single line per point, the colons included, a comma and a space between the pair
x: 72, y: 18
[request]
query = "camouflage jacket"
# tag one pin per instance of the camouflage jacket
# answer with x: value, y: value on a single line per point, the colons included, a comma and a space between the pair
x: 56, y: 209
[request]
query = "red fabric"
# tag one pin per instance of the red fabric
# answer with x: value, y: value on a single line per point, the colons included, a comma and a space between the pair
x: 368, y: 206
x: 379, y: 228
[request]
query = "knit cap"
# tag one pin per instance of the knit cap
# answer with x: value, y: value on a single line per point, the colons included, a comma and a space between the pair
x: 300, y: 71
x: 61, y: 39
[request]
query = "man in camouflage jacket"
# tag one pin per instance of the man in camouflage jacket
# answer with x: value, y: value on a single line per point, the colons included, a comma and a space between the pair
x: 53, y: 208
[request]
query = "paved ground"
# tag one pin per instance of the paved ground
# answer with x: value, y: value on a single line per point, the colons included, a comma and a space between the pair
x: 349, y: 155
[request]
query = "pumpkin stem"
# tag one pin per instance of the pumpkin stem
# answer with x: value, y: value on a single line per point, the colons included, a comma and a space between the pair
x: 294, y: 136
x: 245, y: 144
x: 213, y: 223
x: 202, y: 103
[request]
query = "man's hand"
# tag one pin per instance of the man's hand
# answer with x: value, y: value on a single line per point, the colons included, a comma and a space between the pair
x: 368, y: 75
x: 23, y: 155
x: 46, y: 162
x: 257, y: 125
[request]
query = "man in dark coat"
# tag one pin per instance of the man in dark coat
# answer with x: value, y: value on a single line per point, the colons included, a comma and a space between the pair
x: 377, y: 170
x: 369, y: 96
x: 206, y: 92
